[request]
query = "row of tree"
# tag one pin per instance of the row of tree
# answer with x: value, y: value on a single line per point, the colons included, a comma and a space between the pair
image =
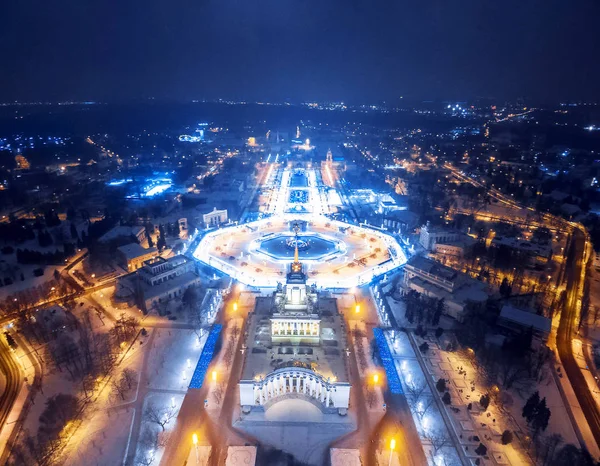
x: 423, y: 309
x: 28, y: 256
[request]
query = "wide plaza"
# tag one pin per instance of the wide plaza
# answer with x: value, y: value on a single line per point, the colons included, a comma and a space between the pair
x: 341, y: 255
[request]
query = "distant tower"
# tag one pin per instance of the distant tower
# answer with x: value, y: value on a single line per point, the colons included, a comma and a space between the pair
x: 329, y: 157
x: 297, y: 132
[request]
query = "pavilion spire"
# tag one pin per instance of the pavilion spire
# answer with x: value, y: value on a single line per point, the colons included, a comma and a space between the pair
x: 296, y: 255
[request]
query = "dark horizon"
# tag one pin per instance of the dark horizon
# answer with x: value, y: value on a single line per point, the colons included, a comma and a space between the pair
x: 303, y: 51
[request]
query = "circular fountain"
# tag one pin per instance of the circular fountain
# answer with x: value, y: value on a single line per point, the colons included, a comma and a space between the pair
x: 292, y: 242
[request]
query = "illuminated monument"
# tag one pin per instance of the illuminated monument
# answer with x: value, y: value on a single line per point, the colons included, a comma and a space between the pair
x: 306, y: 340
x: 295, y: 305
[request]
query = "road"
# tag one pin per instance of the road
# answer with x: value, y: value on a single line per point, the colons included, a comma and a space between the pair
x: 397, y: 422
x: 569, y: 320
x: 11, y: 371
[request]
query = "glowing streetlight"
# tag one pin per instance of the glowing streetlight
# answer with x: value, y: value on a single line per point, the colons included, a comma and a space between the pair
x: 392, y: 448
x: 376, y: 379
x: 214, y: 376
x: 357, y: 308
x: 235, y: 307
x: 195, y: 442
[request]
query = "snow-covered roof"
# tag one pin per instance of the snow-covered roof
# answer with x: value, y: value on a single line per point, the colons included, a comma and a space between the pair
x: 120, y: 231
x: 525, y: 318
x: 134, y: 250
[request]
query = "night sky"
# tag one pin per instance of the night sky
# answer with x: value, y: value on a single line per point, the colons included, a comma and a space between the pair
x: 352, y: 50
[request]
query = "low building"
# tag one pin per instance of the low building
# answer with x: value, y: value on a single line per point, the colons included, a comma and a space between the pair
x: 162, y: 279
x: 451, y: 249
x: 132, y: 256
x: 402, y: 221
x: 122, y: 233
x: 435, y: 280
x: 215, y: 218
x: 519, y: 320
x: 536, y: 253
x: 430, y: 236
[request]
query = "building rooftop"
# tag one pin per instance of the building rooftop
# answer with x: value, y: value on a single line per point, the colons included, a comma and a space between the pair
x: 524, y: 245
x: 525, y: 318
x: 133, y: 250
x: 264, y: 356
x: 172, y: 284
x: 120, y: 231
x: 432, y: 267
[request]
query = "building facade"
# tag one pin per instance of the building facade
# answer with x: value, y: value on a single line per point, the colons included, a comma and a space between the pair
x: 162, y: 279
x: 430, y: 236
x: 215, y: 218
x: 305, y: 366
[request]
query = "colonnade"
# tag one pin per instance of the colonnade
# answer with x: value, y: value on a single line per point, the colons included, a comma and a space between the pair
x: 294, y: 327
x: 293, y: 380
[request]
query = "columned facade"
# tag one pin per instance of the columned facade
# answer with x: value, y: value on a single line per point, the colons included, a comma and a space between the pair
x: 294, y: 381
x: 295, y: 327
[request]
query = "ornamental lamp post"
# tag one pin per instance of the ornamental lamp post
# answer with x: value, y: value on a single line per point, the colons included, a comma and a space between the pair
x: 392, y: 448
x: 195, y: 442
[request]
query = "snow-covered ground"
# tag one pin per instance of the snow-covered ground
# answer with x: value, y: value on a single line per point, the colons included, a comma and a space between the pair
x: 465, y: 388
x: 426, y: 414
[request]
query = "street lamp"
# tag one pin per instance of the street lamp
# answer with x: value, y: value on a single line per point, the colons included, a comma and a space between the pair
x: 357, y: 308
x: 235, y: 307
x: 214, y: 376
x: 375, y: 379
x: 392, y: 448
x: 195, y: 442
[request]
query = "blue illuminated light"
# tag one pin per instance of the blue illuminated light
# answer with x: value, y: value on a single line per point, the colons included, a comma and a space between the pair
x: 205, y: 357
x: 119, y: 182
x: 388, y: 362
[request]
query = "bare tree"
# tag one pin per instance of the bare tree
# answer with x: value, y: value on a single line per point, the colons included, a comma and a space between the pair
x: 438, y: 439
x: 218, y: 392
x: 159, y: 415
x: 118, y: 388
x: 153, y: 439
x: 511, y: 371
x: 199, y: 324
x: 415, y: 391
x: 370, y: 394
x: 418, y: 399
x: 229, y: 352
x: 235, y: 332
x: 129, y: 377
x: 546, y: 447
x: 145, y: 458
x: 124, y: 329
x: 538, y: 360
x: 423, y: 405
